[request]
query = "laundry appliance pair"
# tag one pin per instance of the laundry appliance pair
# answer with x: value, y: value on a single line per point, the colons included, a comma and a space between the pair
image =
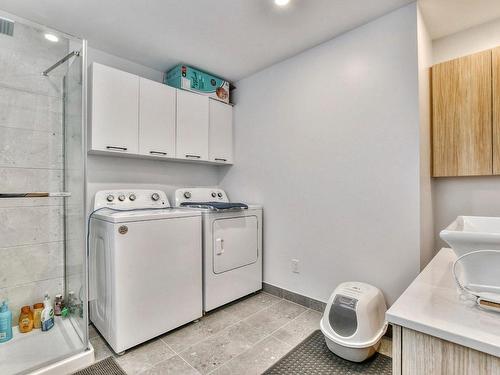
x: 154, y: 267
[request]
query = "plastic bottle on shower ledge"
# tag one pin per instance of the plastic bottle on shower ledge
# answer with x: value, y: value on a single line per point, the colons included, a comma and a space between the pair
x: 47, y: 317
x: 58, y: 305
x: 26, y: 320
x: 37, y: 315
x: 5, y: 322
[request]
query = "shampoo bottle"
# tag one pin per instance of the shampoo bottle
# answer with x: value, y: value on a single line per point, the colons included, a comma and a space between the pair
x: 47, y: 318
x: 5, y: 322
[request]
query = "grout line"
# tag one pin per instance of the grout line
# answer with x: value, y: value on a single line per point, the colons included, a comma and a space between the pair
x: 231, y: 325
x: 30, y: 92
x: 36, y: 168
x: 33, y: 282
x: 270, y: 335
x: 226, y: 328
x: 33, y: 244
x: 189, y: 364
x: 178, y: 355
x: 32, y: 130
x: 30, y: 206
x: 150, y: 366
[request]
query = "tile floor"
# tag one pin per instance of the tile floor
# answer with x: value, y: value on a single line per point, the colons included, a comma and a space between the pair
x: 245, y: 337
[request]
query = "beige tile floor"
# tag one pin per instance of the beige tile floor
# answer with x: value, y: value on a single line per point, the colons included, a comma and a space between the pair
x: 245, y: 337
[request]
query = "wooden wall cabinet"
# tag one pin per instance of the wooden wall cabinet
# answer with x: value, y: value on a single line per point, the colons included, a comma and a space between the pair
x: 462, y: 130
x: 496, y: 108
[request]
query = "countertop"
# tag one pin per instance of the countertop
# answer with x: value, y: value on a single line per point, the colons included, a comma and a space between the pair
x: 432, y: 305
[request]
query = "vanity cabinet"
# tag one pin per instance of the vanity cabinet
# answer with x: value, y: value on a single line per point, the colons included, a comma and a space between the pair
x: 416, y: 353
x: 220, y: 138
x: 114, y: 110
x: 157, y: 107
x: 436, y: 332
x: 462, y: 130
x: 192, y: 126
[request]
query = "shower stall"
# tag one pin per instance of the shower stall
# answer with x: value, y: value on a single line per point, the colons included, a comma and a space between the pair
x: 42, y: 190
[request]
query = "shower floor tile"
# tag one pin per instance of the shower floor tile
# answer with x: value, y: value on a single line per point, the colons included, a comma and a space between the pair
x: 220, y: 343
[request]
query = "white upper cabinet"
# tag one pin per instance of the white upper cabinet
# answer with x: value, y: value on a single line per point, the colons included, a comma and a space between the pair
x: 114, y: 110
x: 156, y: 119
x: 220, y: 140
x: 192, y: 126
x: 137, y: 116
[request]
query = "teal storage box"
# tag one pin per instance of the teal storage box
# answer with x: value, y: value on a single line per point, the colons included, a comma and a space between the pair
x: 188, y: 78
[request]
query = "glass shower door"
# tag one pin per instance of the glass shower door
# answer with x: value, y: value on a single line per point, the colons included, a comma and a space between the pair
x: 42, y: 190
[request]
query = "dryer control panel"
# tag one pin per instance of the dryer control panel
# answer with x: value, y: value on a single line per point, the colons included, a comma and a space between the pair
x: 200, y: 195
x: 131, y: 199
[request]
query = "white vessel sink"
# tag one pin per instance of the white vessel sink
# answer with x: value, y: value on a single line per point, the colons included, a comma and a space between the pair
x: 470, y: 233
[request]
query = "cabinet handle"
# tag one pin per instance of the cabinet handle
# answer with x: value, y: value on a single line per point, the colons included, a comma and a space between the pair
x: 116, y: 148
x: 157, y: 153
x: 193, y: 156
x: 220, y: 159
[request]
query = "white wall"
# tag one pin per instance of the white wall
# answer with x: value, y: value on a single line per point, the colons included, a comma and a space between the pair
x: 108, y: 172
x: 465, y: 42
x: 465, y: 195
x: 427, y: 249
x: 328, y: 141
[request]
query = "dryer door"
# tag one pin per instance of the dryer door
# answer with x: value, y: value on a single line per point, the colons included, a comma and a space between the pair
x: 235, y: 243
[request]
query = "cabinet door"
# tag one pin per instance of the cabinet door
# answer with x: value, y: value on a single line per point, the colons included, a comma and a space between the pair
x: 496, y: 110
x: 115, y: 110
x: 424, y: 354
x: 156, y: 119
x: 462, y: 131
x: 192, y: 126
x: 220, y: 138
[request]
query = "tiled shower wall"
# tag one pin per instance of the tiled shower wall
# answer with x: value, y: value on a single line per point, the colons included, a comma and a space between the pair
x: 31, y: 159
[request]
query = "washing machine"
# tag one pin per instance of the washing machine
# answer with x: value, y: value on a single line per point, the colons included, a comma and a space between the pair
x: 145, y: 266
x: 232, y: 244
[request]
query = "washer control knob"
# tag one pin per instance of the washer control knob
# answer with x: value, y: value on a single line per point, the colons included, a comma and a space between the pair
x: 132, y: 197
x: 121, y: 197
x: 219, y: 195
x: 155, y: 196
x: 110, y: 198
x: 214, y: 194
x: 187, y: 194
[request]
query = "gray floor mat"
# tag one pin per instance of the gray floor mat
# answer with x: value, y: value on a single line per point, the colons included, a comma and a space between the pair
x: 312, y: 357
x: 107, y: 366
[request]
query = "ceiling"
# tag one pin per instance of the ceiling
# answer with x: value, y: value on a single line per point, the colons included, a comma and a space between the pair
x: 445, y: 17
x: 231, y: 38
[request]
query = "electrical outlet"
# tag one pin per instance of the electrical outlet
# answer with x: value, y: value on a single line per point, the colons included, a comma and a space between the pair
x: 295, y: 265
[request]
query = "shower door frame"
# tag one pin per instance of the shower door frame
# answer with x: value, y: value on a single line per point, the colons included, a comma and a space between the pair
x: 83, y: 56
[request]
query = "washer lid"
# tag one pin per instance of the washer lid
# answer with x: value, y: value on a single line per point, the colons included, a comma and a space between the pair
x: 112, y: 216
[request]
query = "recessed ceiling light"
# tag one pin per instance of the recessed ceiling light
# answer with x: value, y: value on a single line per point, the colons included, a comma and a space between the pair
x: 51, y: 37
x: 281, y: 3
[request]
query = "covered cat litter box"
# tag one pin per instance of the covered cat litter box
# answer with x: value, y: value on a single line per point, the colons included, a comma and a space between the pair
x: 354, y: 321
